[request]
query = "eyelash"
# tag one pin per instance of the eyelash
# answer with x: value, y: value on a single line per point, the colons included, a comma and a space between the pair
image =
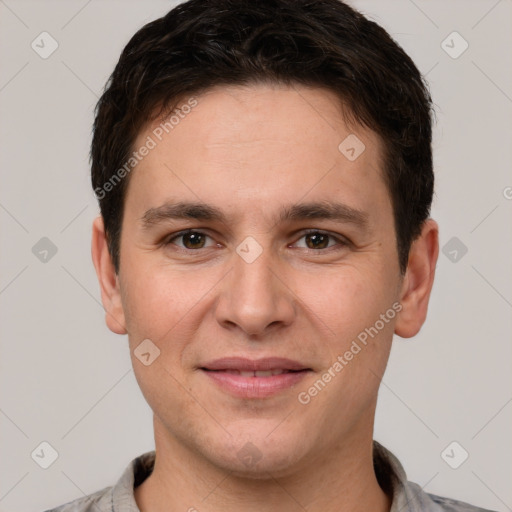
x: 341, y: 241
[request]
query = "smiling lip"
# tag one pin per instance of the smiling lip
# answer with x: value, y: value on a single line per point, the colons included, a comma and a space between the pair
x: 246, y: 378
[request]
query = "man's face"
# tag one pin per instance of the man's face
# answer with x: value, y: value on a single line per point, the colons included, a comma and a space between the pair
x: 260, y: 283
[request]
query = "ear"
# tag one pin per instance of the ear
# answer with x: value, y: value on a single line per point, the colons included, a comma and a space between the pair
x: 108, y: 279
x: 418, y: 280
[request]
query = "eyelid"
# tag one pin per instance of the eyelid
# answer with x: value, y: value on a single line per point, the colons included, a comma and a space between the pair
x: 169, y: 238
x: 343, y: 241
x: 340, y: 239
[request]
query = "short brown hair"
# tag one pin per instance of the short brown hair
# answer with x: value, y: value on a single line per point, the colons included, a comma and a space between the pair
x: 204, y: 43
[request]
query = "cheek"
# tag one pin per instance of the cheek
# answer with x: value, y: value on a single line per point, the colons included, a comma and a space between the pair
x: 347, y: 299
x: 166, y: 304
x: 154, y: 302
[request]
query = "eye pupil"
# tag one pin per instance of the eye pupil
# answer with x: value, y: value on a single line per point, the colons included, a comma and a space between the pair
x: 193, y: 240
x: 318, y: 240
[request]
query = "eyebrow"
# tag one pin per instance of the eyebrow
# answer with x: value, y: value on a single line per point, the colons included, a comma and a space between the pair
x: 202, y: 211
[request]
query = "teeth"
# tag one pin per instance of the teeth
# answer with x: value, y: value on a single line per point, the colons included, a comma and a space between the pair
x: 262, y: 373
x: 259, y: 373
x: 278, y: 372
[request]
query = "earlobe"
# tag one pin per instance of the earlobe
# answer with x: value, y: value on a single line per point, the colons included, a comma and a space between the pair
x: 108, y: 279
x: 418, y: 281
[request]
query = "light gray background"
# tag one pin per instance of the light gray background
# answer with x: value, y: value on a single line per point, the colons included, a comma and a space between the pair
x: 66, y: 379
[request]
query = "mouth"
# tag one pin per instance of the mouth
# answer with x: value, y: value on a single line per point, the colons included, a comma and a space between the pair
x: 256, y: 373
x: 256, y: 379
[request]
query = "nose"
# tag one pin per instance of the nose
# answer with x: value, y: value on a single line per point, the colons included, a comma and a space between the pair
x: 255, y: 297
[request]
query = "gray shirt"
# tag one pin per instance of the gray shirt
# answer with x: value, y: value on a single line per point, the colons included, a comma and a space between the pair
x: 406, y: 496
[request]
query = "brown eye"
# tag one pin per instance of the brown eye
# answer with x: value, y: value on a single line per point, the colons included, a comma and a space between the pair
x: 189, y: 240
x: 318, y: 240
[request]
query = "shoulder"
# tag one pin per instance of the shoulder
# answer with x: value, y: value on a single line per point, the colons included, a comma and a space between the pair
x: 450, y: 505
x: 433, y: 503
x: 117, y: 497
x: 100, y: 501
x: 408, y: 496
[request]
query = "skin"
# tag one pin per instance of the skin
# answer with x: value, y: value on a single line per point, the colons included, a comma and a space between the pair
x: 249, y: 151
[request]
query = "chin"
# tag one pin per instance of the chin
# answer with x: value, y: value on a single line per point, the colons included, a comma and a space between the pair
x: 253, y: 453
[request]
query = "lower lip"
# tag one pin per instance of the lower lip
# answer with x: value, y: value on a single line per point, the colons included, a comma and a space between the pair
x: 255, y: 387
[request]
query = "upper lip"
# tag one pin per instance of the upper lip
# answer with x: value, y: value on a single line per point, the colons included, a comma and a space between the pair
x: 244, y: 364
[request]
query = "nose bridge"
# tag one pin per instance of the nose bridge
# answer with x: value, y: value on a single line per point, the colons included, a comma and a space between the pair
x: 253, y: 273
x: 254, y: 297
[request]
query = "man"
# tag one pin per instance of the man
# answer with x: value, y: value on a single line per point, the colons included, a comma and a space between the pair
x: 264, y: 173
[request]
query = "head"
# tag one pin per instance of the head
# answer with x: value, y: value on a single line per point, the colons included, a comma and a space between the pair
x: 293, y: 138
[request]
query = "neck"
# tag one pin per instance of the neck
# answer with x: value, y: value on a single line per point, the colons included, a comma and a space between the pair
x: 343, y: 480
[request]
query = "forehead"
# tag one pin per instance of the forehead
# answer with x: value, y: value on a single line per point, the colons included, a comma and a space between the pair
x: 259, y: 143
x: 228, y: 117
